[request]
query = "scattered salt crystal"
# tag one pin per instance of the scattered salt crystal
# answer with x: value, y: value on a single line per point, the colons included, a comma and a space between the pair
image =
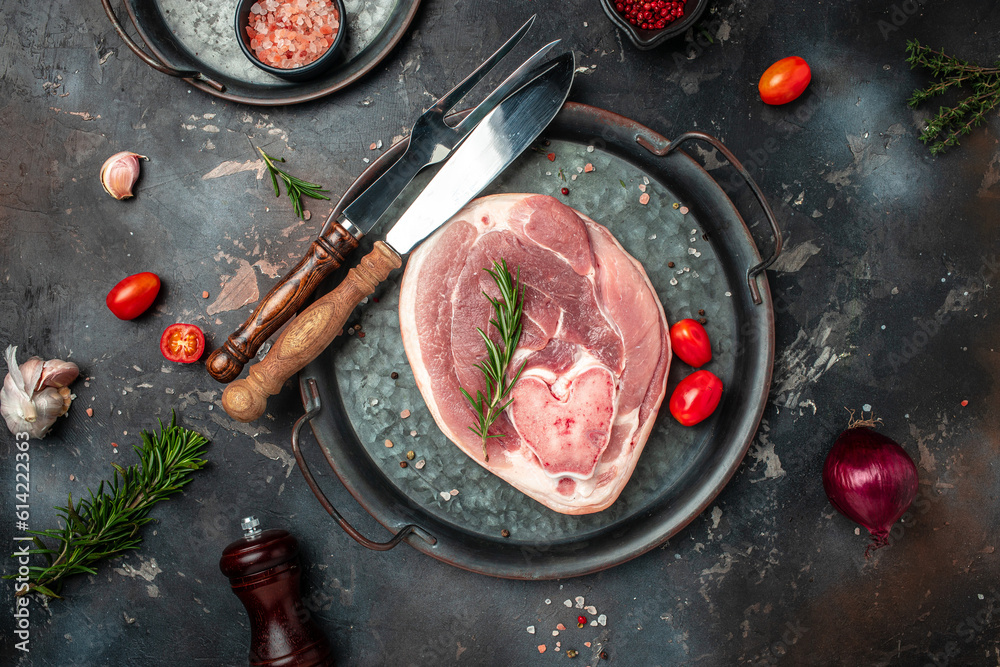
x: 729, y: 293
x: 866, y: 407
x: 541, y: 648
x: 413, y: 433
x: 588, y: 168
x: 694, y: 231
x: 454, y: 492
x: 548, y: 601
x: 645, y: 179
x: 579, y: 170
x: 652, y: 237
x: 555, y: 633
x: 602, y: 619
x: 531, y: 629
x: 673, y: 281
x: 568, y: 603
x: 644, y: 198
x: 560, y: 626
x: 642, y: 187
x: 388, y: 443
x: 573, y: 177
x: 373, y: 402
x: 404, y: 414
x: 692, y: 251
x: 591, y: 609
x: 579, y: 601
x: 372, y: 147
x: 593, y: 623
x: 694, y: 239
x: 590, y: 149
x: 365, y: 160
x: 587, y: 644
x: 445, y: 495
x: 378, y: 144
x: 419, y: 465
x: 684, y: 210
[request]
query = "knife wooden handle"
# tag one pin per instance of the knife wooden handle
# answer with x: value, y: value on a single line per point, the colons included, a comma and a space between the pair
x: 325, y: 254
x: 245, y: 400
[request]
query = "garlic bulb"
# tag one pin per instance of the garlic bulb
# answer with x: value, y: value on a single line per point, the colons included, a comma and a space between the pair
x: 120, y: 172
x: 35, y: 393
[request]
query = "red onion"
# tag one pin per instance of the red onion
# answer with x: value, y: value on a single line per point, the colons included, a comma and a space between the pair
x: 870, y: 479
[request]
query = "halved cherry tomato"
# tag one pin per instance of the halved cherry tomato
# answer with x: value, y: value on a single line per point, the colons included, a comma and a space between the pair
x: 133, y: 295
x: 689, y: 341
x: 696, y: 397
x: 183, y: 343
x: 785, y: 80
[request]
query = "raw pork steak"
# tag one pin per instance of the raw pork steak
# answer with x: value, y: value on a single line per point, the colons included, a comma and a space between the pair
x: 595, y: 343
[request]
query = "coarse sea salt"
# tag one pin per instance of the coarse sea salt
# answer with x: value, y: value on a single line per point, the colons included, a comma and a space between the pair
x: 288, y: 34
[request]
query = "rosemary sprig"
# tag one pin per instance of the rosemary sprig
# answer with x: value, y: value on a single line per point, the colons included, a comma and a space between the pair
x: 950, y: 123
x: 296, y: 187
x: 107, y: 524
x: 507, y: 321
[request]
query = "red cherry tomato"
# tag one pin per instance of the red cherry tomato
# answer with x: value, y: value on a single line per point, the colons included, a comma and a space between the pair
x: 183, y: 343
x: 689, y: 341
x: 696, y: 397
x: 785, y: 80
x: 133, y: 295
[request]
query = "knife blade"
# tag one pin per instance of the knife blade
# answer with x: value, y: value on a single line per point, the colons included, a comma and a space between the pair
x: 487, y: 151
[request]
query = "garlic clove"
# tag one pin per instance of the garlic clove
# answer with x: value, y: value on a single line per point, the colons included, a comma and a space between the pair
x: 120, y: 172
x: 35, y: 393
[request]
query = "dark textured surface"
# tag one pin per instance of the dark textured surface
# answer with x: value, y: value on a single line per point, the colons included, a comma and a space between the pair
x: 879, y: 234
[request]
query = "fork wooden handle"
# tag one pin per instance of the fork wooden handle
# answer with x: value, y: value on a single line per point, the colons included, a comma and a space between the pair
x: 279, y: 305
x: 309, y: 334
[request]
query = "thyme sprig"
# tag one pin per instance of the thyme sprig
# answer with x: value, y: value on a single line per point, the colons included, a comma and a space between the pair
x: 107, y: 524
x: 950, y: 123
x: 296, y: 187
x: 506, y: 320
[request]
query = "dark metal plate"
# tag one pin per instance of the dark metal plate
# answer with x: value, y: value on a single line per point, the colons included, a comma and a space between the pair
x: 200, y: 36
x: 681, y: 470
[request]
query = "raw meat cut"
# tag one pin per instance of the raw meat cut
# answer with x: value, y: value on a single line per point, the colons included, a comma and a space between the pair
x: 595, y: 345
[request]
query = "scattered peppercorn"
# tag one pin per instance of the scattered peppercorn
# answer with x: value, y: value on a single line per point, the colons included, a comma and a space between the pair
x: 411, y: 455
x: 505, y: 533
x: 701, y: 311
x: 361, y: 334
x: 565, y: 191
x: 702, y: 320
x: 403, y: 464
x: 670, y: 264
x: 394, y: 375
x: 571, y: 653
x: 551, y: 157
x: 604, y: 655
x: 581, y: 621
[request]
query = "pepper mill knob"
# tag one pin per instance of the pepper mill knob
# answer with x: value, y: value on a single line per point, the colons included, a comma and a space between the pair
x: 265, y: 574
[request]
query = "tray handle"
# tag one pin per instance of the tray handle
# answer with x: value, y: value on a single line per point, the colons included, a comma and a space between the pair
x: 313, y: 407
x: 664, y: 149
x: 150, y: 60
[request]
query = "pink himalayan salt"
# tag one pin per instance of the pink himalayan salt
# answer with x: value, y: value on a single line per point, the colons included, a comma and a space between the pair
x: 292, y: 33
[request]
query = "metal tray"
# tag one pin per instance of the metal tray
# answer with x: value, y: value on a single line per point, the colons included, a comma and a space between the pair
x: 196, y: 41
x: 353, y: 404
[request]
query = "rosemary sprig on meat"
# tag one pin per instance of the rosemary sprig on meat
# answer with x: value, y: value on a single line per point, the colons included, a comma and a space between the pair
x: 944, y: 128
x: 107, y: 524
x: 296, y: 187
x: 507, y: 321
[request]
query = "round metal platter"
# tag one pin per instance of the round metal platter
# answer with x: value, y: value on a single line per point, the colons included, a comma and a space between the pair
x: 681, y: 469
x: 199, y: 35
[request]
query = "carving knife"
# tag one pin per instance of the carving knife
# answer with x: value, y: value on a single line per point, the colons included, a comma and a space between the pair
x: 431, y: 141
x: 486, y: 152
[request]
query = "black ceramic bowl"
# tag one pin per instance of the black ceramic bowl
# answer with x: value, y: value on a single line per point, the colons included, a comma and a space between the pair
x: 313, y: 69
x: 648, y: 39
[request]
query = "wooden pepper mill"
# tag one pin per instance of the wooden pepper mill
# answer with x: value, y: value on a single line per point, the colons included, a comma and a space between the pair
x: 264, y: 571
